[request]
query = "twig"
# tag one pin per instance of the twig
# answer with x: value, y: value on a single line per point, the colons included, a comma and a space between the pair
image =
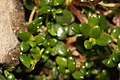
x: 109, y: 4
x: 81, y: 17
x: 78, y: 3
x: 32, y: 14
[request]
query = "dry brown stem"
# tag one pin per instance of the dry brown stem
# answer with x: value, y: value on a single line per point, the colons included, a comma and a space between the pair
x: 81, y: 17
x: 78, y: 3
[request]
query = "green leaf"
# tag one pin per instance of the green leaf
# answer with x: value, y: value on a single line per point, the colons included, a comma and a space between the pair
x: 87, y: 44
x: 34, y: 25
x: 115, y: 32
x: 61, y: 49
x: 61, y: 61
x: 32, y: 44
x: 95, y: 31
x: 57, y: 30
x: 89, y: 64
x: 49, y: 64
x: 103, y: 40
x: 93, y: 20
x: 92, y: 41
x: 61, y: 69
x: 72, y: 66
x: 54, y: 73
x: 65, y: 18
x: 25, y: 60
x: 70, y: 59
x: 39, y: 39
x: 108, y: 63
x: 78, y: 75
x: 83, y: 70
x: 75, y: 28
x: 24, y: 46
x: 118, y: 67
x: 45, y: 9
x: 11, y: 68
x: 36, y: 53
x: 2, y: 77
x: 10, y: 77
x: 46, y: 2
x: 114, y: 58
x: 29, y: 4
x: 61, y: 33
x: 44, y: 58
x: 47, y: 50
x: 24, y: 36
x: 118, y: 41
x: 58, y: 11
x: 103, y: 22
x: 84, y: 29
x: 88, y: 73
x: 95, y: 71
x: 58, y: 2
x: 53, y: 42
x: 103, y: 75
x: 116, y: 52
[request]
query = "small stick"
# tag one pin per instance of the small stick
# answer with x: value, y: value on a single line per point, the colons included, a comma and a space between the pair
x: 109, y: 4
x: 78, y: 3
x: 32, y: 14
x: 81, y: 17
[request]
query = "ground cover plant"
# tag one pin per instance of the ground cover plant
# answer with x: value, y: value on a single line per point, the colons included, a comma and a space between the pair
x: 68, y: 40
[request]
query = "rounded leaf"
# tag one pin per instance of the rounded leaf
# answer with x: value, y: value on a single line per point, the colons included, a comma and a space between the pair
x: 66, y: 17
x: 108, y: 63
x: 118, y: 41
x: 84, y: 29
x: 114, y: 58
x: 58, y: 2
x: 54, y: 73
x: 75, y: 28
x: 87, y: 44
x: 10, y: 76
x: 61, y: 69
x: 53, y: 42
x: 24, y: 46
x: 24, y: 36
x: 95, y: 31
x: 115, y: 32
x: 93, y: 20
x: 72, y: 66
x: 2, y: 77
x: 78, y: 75
x: 118, y: 67
x: 57, y: 30
x: 61, y: 33
x: 103, y: 40
x: 39, y: 39
x: 83, y: 70
x: 25, y: 60
x: 61, y: 61
x: 46, y: 2
x: 103, y: 22
x: 45, y: 9
x: 34, y: 25
x: 88, y: 73
x: 47, y: 50
x: 89, y: 64
x: 59, y: 49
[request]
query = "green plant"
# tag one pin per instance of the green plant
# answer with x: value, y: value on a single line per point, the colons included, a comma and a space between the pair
x: 44, y: 46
